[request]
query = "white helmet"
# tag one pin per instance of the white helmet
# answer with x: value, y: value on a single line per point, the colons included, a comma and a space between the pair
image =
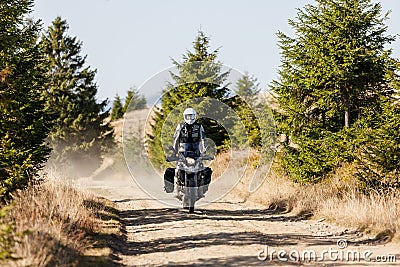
x: 189, y: 115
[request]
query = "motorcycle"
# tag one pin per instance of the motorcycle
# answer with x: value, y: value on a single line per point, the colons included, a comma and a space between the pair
x: 193, y: 177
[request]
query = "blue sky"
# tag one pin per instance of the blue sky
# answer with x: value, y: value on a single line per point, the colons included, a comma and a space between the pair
x: 129, y: 41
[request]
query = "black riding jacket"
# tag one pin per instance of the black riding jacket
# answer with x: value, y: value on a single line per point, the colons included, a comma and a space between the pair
x: 189, y: 134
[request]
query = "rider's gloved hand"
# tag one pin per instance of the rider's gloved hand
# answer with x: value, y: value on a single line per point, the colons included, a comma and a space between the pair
x: 174, y: 155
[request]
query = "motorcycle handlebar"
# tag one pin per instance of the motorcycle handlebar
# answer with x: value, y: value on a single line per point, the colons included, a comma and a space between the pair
x: 172, y: 158
x: 207, y: 157
x: 175, y: 158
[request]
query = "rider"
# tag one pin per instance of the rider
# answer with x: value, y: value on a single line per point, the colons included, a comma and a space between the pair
x: 189, y: 137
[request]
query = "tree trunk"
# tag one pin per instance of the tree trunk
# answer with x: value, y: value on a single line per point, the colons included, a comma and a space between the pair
x: 347, y: 113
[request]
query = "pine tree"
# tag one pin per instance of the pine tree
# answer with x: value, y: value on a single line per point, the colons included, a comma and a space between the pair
x: 117, y: 111
x: 80, y: 134
x: 134, y: 101
x: 244, y: 103
x: 333, y: 72
x: 24, y: 120
x: 248, y: 88
x: 199, y: 77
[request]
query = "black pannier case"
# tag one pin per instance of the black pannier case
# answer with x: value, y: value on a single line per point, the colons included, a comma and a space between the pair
x: 169, y: 180
x: 207, y: 175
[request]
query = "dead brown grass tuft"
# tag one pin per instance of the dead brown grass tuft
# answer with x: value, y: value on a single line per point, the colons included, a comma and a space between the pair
x: 54, y: 225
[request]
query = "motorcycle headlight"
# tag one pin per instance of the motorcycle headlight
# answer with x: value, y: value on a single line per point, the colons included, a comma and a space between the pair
x: 190, y: 161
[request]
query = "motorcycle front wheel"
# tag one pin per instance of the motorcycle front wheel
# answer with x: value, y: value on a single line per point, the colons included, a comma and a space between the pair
x: 189, y: 198
x: 192, y: 198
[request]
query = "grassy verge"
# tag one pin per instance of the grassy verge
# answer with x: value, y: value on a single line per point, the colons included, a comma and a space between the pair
x: 55, y: 224
x: 337, y: 199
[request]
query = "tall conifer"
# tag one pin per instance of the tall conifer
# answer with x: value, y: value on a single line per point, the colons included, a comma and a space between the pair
x: 80, y: 134
x: 133, y: 101
x: 333, y: 72
x: 199, y: 76
x: 117, y: 109
x: 24, y: 120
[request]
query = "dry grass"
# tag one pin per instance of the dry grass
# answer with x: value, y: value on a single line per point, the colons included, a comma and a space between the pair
x: 57, y: 225
x: 372, y: 213
x: 336, y: 199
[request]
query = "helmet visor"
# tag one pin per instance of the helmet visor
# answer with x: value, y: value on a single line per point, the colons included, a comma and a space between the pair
x: 190, y: 117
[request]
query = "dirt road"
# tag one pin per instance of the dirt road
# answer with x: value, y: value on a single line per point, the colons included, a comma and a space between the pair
x: 231, y: 233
